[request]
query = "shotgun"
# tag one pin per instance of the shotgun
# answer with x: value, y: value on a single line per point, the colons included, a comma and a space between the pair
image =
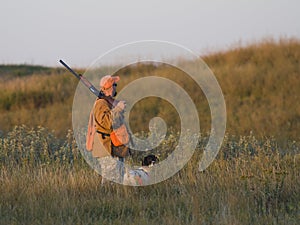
x: 90, y: 86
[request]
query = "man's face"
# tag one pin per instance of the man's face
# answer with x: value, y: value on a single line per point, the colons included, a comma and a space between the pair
x: 111, y: 91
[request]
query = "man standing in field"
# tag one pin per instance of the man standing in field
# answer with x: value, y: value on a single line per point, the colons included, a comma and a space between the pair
x: 108, y: 122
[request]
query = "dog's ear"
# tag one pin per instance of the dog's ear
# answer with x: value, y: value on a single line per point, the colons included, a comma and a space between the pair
x: 147, y: 160
x: 144, y: 162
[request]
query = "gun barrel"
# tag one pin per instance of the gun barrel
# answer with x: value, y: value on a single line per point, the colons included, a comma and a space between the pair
x: 88, y: 84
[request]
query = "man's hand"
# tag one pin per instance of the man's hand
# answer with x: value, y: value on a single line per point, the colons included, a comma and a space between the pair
x: 121, y: 105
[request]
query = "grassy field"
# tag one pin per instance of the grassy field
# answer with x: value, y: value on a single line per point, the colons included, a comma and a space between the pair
x: 46, y: 181
x: 255, y: 178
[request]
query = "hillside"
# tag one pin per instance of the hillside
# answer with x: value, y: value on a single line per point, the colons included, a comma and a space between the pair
x: 260, y: 83
x: 261, y: 87
x: 253, y: 180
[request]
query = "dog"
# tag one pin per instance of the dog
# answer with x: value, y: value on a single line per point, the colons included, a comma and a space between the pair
x: 140, y: 176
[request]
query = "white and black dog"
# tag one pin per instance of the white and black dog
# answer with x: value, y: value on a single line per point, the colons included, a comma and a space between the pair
x: 140, y: 176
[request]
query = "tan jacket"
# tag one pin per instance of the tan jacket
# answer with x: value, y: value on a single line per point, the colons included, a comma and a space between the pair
x: 105, y: 118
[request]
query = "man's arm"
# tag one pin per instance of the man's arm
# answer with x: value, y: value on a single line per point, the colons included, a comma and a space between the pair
x: 103, y: 116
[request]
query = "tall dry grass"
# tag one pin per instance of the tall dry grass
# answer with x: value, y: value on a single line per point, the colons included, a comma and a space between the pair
x: 46, y: 181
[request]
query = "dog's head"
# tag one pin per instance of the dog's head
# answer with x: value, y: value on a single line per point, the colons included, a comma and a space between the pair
x: 149, y: 160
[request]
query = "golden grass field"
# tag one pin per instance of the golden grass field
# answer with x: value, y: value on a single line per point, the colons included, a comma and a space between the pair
x: 255, y: 178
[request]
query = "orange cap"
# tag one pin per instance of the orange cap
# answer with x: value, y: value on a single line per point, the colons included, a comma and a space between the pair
x: 107, y: 81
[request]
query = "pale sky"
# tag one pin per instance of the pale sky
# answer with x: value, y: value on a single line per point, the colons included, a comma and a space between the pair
x: 79, y: 31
